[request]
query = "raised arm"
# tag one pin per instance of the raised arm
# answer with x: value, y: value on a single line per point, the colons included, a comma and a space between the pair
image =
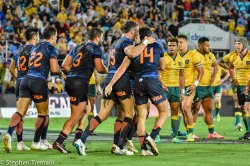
x: 133, y: 51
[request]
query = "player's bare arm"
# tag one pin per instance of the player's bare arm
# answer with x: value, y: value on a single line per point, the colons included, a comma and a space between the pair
x: 215, y: 70
x: 199, y: 77
x: 133, y: 51
x: 100, y: 67
x: 223, y: 64
x: 12, y: 69
x: 67, y: 63
x: 121, y: 70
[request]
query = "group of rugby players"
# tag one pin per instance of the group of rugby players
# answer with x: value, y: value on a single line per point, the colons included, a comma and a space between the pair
x: 138, y: 72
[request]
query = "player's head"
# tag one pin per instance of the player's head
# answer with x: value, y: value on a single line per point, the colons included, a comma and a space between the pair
x: 145, y: 31
x: 131, y: 28
x: 172, y: 45
x: 240, y: 44
x: 96, y: 34
x: 182, y: 42
x: 204, y: 45
x: 32, y: 35
x: 50, y: 33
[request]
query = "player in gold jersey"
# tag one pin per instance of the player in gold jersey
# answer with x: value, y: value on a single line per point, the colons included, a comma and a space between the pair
x: 172, y: 79
x: 239, y: 68
x: 224, y: 62
x: 193, y: 72
x: 216, y: 85
x: 204, y: 92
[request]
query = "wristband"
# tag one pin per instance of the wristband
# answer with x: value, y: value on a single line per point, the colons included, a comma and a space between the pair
x: 146, y: 42
x: 196, y: 83
x: 183, y: 91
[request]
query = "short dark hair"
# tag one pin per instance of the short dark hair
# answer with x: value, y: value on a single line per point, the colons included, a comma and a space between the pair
x: 48, y: 32
x: 129, y: 25
x: 182, y: 36
x: 172, y: 39
x: 30, y: 32
x: 202, y: 40
x: 145, y: 31
x: 94, y: 33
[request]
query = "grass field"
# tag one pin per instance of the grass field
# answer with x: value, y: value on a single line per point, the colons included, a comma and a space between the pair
x: 204, y: 152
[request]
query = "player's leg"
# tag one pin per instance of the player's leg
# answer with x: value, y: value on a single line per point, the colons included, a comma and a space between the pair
x: 44, y: 141
x: 237, y: 110
x: 160, y: 121
x: 247, y: 118
x: 207, y: 104
x: 159, y: 99
x: 181, y: 118
x: 128, y: 107
x: 106, y: 107
x: 92, y: 98
x: 142, y: 116
x: 19, y: 127
x: 82, y: 122
x: 42, y: 108
x: 217, y: 106
x: 174, y: 106
x: 78, y: 102
x: 23, y: 105
x: 246, y: 109
x: 175, y: 101
x: 132, y: 132
x: 238, y: 113
x: 117, y: 127
x: 187, y: 112
x: 195, y: 111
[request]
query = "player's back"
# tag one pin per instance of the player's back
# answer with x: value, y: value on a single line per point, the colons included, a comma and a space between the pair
x: 83, y: 60
x: 146, y: 64
x: 117, y: 53
x: 39, y: 60
x: 21, y: 59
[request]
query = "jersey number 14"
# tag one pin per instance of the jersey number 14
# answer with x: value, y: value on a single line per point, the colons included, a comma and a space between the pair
x: 146, y: 54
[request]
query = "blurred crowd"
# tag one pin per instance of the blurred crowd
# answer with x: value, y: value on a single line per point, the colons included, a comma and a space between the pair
x: 73, y: 18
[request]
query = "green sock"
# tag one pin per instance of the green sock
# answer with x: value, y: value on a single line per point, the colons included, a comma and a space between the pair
x: 179, y: 121
x: 218, y: 111
x: 245, y: 122
x: 190, y: 129
x: 174, y: 124
x: 248, y: 123
x: 214, y: 113
x: 237, y: 115
x: 211, y: 129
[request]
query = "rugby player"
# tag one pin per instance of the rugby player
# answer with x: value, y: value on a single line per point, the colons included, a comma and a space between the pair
x: 120, y: 49
x: 172, y: 79
x: 43, y: 58
x: 80, y: 65
x: 239, y: 68
x: 147, y: 86
x: 204, y: 93
x: 224, y: 62
x: 216, y: 85
x: 18, y: 69
x: 193, y: 72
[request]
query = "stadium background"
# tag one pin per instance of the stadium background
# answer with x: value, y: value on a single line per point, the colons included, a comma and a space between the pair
x: 220, y: 20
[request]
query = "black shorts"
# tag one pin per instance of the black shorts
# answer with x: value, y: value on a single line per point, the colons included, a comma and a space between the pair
x: 242, y: 98
x: 33, y: 88
x: 121, y: 89
x: 148, y: 88
x: 18, y: 82
x: 77, y: 89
